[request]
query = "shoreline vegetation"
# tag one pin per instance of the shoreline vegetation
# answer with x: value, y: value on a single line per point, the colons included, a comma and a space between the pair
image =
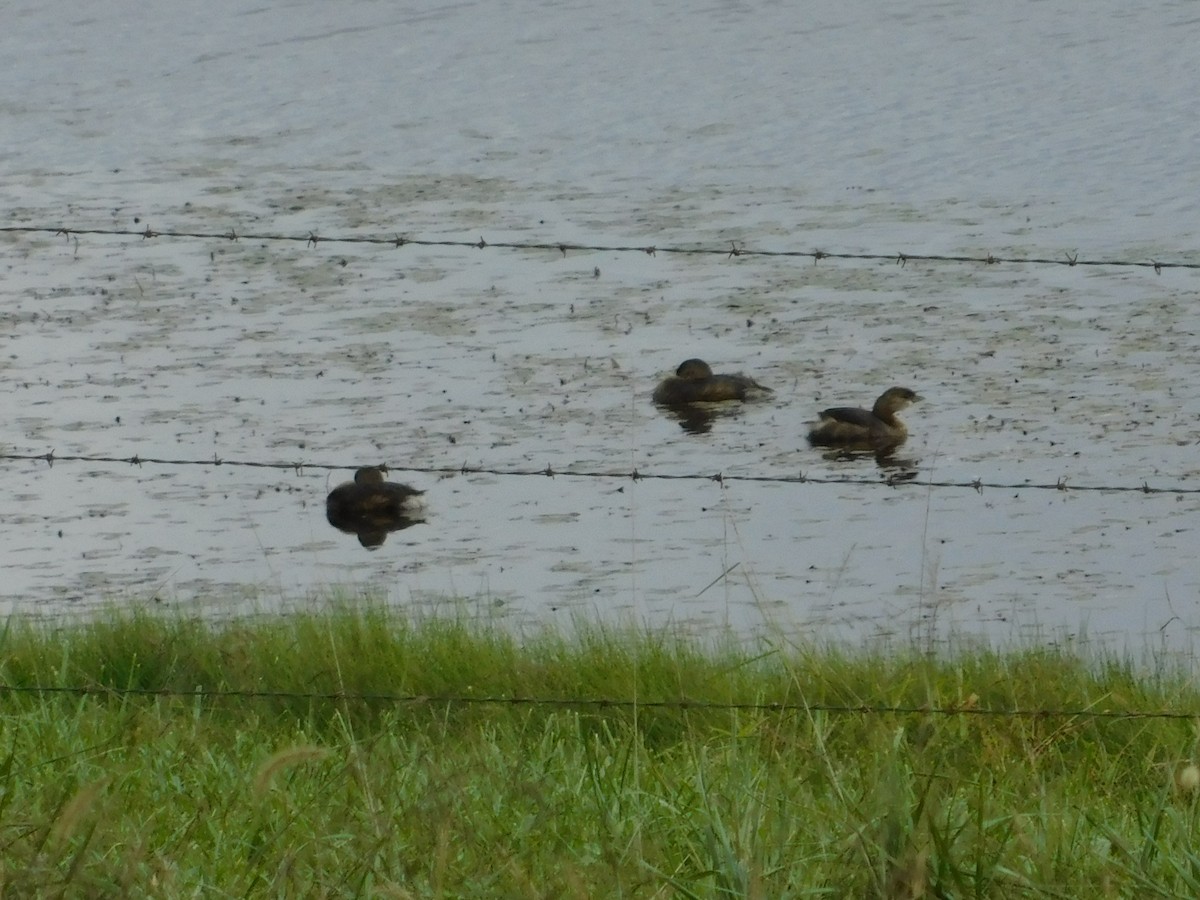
x: 359, y: 753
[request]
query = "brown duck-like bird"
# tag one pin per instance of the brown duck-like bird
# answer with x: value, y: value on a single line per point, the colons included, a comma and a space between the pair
x: 876, y: 428
x: 371, y: 507
x: 694, y: 382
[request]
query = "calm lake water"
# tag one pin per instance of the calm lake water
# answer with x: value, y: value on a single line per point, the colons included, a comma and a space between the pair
x: 433, y: 359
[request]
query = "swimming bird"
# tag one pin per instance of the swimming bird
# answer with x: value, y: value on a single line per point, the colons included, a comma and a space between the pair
x: 371, y: 507
x: 875, y: 429
x: 694, y: 382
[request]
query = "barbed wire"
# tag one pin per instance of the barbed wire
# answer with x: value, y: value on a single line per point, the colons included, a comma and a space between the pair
x: 898, y: 478
x: 681, y: 705
x: 734, y: 249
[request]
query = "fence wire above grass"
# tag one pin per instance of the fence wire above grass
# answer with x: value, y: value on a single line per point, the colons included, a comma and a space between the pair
x: 596, y: 703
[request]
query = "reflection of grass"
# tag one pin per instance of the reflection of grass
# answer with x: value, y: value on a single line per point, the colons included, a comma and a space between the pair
x: 166, y: 796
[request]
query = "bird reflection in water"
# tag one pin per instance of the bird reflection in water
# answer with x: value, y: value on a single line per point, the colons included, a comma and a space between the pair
x: 692, y: 419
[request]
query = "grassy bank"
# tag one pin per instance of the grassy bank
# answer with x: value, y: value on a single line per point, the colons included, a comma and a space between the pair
x: 281, y: 758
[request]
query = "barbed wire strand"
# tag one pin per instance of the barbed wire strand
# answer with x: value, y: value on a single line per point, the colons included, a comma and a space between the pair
x: 594, y: 703
x: 894, y: 479
x: 735, y: 248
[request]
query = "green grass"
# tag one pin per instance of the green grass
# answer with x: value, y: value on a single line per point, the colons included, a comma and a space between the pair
x: 114, y: 793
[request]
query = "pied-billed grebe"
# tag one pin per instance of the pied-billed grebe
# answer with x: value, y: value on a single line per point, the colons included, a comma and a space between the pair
x: 876, y: 428
x: 371, y: 507
x: 694, y: 382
